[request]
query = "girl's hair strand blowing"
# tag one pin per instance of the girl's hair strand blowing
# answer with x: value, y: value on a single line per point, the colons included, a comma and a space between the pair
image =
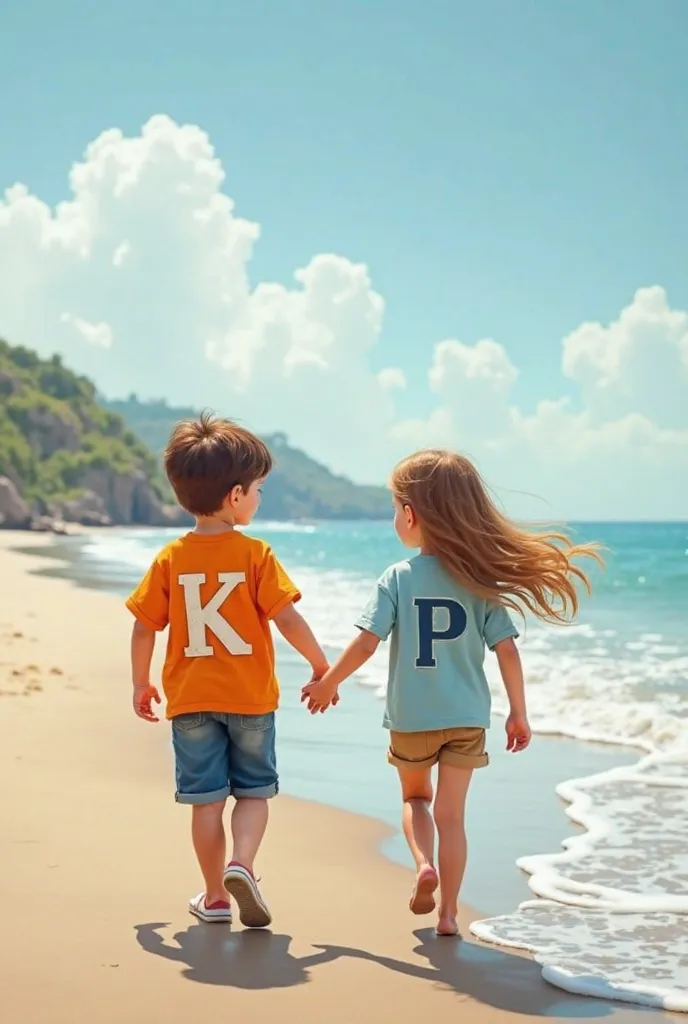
x: 480, y: 547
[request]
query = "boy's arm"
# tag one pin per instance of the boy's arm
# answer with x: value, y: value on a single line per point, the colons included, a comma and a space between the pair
x: 298, y: 633
x: 142, y: 646
x: 323, y: 692
x: 517, y: 727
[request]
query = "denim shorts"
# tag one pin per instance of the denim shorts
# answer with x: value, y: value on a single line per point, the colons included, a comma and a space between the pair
x: 219, y: 755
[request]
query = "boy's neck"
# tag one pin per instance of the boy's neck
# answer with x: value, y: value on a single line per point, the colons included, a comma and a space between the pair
x: 208, y: 525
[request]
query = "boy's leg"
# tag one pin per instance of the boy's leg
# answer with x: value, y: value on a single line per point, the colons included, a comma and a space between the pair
x: 249, y: 822
x: 450, y: 810
x: 254, y: 781
x: 201, y: 750
x: 208, y: 835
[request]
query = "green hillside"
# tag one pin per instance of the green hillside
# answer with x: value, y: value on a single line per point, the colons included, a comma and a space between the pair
x: 66, y: 455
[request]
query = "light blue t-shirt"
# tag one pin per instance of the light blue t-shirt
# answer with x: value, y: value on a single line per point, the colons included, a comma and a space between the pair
x: 439, y: 634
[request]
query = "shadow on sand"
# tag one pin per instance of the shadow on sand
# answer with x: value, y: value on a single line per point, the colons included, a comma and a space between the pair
x: 215, y: 955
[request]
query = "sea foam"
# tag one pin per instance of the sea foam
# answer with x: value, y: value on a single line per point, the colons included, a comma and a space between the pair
x: 611, y: 918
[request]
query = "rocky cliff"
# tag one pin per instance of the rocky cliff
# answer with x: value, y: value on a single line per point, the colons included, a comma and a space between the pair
x: 64, y: 458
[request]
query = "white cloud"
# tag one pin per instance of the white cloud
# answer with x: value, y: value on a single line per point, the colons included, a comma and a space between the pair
x: 149, y: 251
x: 484, y: 365
x: 95, y: 334
x: 120, y: 254
x: 639, y: 363
x: 392, y: 378
x: 624, y: 453
x: 141, y: 280
x: 474, y: 383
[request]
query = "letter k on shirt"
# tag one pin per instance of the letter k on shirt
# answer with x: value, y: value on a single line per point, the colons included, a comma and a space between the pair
x: 217, y: 593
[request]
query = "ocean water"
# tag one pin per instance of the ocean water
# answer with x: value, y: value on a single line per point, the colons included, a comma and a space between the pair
x: 610, y: 913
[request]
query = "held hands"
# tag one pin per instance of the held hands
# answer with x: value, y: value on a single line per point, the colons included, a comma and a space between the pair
x: 517, y: 733
x: 320, y: 694
x: 143, y: 702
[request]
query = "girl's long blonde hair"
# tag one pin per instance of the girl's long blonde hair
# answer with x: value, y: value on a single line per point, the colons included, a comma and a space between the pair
x: 480, y: 547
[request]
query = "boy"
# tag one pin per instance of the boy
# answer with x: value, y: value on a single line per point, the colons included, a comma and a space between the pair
x: 217, y: 590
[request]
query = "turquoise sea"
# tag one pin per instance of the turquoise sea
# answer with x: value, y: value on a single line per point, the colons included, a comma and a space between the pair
x: 608, y: 699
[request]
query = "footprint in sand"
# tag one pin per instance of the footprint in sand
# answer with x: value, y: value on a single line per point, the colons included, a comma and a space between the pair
x: 34, y: 684
x: 28, y: 679
x: 29, y: 675
x: 18, y: 635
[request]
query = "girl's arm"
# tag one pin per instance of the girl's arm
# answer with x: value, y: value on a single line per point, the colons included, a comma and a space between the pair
x: 517, y: 727
x: 323, y: 692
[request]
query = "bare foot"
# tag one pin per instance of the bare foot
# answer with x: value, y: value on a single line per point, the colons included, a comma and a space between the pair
x: 423, y: 898
x: 447, y: 925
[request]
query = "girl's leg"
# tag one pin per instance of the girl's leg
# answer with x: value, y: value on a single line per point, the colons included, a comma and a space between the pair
x: 208, y: 834
x: 450, y: 810
x: 419, y: 831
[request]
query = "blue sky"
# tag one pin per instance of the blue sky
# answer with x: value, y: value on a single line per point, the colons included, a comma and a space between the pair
x: 506, y: 170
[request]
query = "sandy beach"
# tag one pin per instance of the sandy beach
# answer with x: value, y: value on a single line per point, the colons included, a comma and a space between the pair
x: 98, y: 867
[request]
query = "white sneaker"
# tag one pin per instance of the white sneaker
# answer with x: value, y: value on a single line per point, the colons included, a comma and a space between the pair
x: 216, y: 912
x: 242, y: 886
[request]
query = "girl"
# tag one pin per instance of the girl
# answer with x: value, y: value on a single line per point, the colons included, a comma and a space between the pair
x: 442, y: 608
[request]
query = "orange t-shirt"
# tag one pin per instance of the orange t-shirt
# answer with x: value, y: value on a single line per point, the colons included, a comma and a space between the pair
x: 217, y: 593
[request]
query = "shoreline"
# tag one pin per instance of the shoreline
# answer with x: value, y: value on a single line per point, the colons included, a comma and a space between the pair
x: 559, y: 758
x: 65, y: 830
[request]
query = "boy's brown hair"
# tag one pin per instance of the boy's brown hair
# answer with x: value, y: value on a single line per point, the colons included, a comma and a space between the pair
x: 206, y: 458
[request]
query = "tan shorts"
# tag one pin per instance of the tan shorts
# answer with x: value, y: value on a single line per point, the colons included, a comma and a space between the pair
x: 464, y: 748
